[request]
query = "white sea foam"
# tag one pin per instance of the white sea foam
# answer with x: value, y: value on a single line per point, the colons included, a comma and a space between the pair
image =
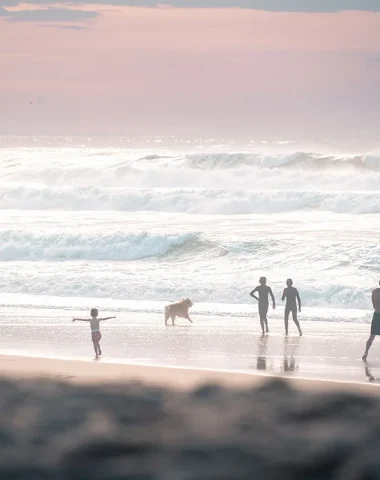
x: 122, y: 283
x: 122, y: 169
x: 95, y: 241
x: 296, y: 160
x: 28, y: 246
x: 203, y: 201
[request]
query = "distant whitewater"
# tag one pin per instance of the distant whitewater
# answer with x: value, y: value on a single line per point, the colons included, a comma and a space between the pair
x: 140, y: 225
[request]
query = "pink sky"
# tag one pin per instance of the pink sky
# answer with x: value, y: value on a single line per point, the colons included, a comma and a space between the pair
x: 175, y: 70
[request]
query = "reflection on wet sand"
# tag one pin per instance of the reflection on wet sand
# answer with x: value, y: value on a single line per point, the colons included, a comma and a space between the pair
x: 262, y: 353
x: 369, y: 375
x: 291, y: 346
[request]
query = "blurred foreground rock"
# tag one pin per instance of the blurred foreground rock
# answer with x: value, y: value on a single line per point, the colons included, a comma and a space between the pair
x: 54, y: 431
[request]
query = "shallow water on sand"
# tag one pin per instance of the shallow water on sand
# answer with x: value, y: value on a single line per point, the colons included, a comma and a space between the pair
x: 223, y: 343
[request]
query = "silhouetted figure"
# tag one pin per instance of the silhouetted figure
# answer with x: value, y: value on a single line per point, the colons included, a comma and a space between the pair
x: 264, y: 291
x: 96, y: 336
x: 292, y: 296
x: 375, y: 325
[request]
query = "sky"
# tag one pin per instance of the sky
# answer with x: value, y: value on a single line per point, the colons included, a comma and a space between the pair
x: 281, y: 68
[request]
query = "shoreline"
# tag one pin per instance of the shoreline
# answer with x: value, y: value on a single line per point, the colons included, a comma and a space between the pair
x: 326, y: 352
x: 16, y: 367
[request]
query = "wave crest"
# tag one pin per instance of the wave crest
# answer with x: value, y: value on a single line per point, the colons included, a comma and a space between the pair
x: 199, y: 201
x: 299, y: 160
x: 24, y: 246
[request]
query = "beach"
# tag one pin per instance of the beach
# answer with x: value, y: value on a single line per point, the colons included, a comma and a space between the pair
x: 130, y: 229
x: 17, y: 368
x: 327, y: 351
x: 76, y: 420
x: 215, y: 158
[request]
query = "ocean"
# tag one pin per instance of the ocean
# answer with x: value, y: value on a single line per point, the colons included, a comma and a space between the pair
x: 130, y: 229
x: 145, y: 226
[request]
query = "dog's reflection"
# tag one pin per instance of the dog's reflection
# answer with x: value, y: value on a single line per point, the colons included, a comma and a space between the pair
x: 291, y: 346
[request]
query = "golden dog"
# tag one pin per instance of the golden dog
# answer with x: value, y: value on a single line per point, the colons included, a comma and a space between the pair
x: 180, y: 309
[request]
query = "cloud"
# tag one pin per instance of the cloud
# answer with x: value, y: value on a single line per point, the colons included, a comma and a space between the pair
x: 64, y: 27
x: 373, y: 61
x: 283, y: 5
x: 65, y: 12
x: 307, y: 6
x: 50, y: 15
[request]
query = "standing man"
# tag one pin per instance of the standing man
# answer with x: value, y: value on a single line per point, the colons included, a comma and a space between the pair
x: 375, y: 325
x: 264, y: 291
x: 292, y: 296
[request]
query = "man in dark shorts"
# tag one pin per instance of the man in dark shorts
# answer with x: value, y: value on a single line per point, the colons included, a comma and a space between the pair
x: 375, y: 325
x: 292, y: 296
x: 264, y: 291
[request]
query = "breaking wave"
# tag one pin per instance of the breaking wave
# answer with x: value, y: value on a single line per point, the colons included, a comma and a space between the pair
x: 24, y: 246
x: 294, y: 160
x: 199, y: 201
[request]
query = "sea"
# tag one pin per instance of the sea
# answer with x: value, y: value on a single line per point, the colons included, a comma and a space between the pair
x: 130, y: 225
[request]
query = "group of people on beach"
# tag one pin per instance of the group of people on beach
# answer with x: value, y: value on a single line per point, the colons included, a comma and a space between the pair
x: 290, y: 294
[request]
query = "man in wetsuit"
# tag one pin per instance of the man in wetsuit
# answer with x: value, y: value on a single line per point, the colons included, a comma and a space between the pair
x: 375, y: 325
x: 292, y: 296
x: 264, y: 291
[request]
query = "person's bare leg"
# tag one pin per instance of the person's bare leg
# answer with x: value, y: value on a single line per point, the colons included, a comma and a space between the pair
x: 99, y: 349
x: 295, y: 320
x: 368, y: 346
x: 286, y: 320
x: 96, y: 349
x: 262, y: 324
x: 266, y: 325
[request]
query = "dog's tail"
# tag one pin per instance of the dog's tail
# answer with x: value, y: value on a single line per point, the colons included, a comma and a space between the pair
x: 167, y: 314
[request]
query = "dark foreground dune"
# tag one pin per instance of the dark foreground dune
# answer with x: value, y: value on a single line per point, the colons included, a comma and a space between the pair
x: 55, y: 430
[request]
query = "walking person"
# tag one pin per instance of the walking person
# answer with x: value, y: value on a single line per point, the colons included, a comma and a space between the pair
x: 292, y: 296
x: 264, y: 292
x: 96, y: 336
x: 375, y: 325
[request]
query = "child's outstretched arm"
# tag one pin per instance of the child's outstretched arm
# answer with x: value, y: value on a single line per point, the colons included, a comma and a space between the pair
x: 106, y: 318
x: 81, y: 320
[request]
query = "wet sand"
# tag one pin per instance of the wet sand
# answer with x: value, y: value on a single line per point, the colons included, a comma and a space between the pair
x: 96, y: 372
x: 327, y: 351
x: 66, y: 419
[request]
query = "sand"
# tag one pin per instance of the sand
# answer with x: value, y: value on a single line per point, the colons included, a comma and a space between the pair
x: 97, y: 423
x: 327, y: 351
x: 96, y: 372
x: 98, y: 420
